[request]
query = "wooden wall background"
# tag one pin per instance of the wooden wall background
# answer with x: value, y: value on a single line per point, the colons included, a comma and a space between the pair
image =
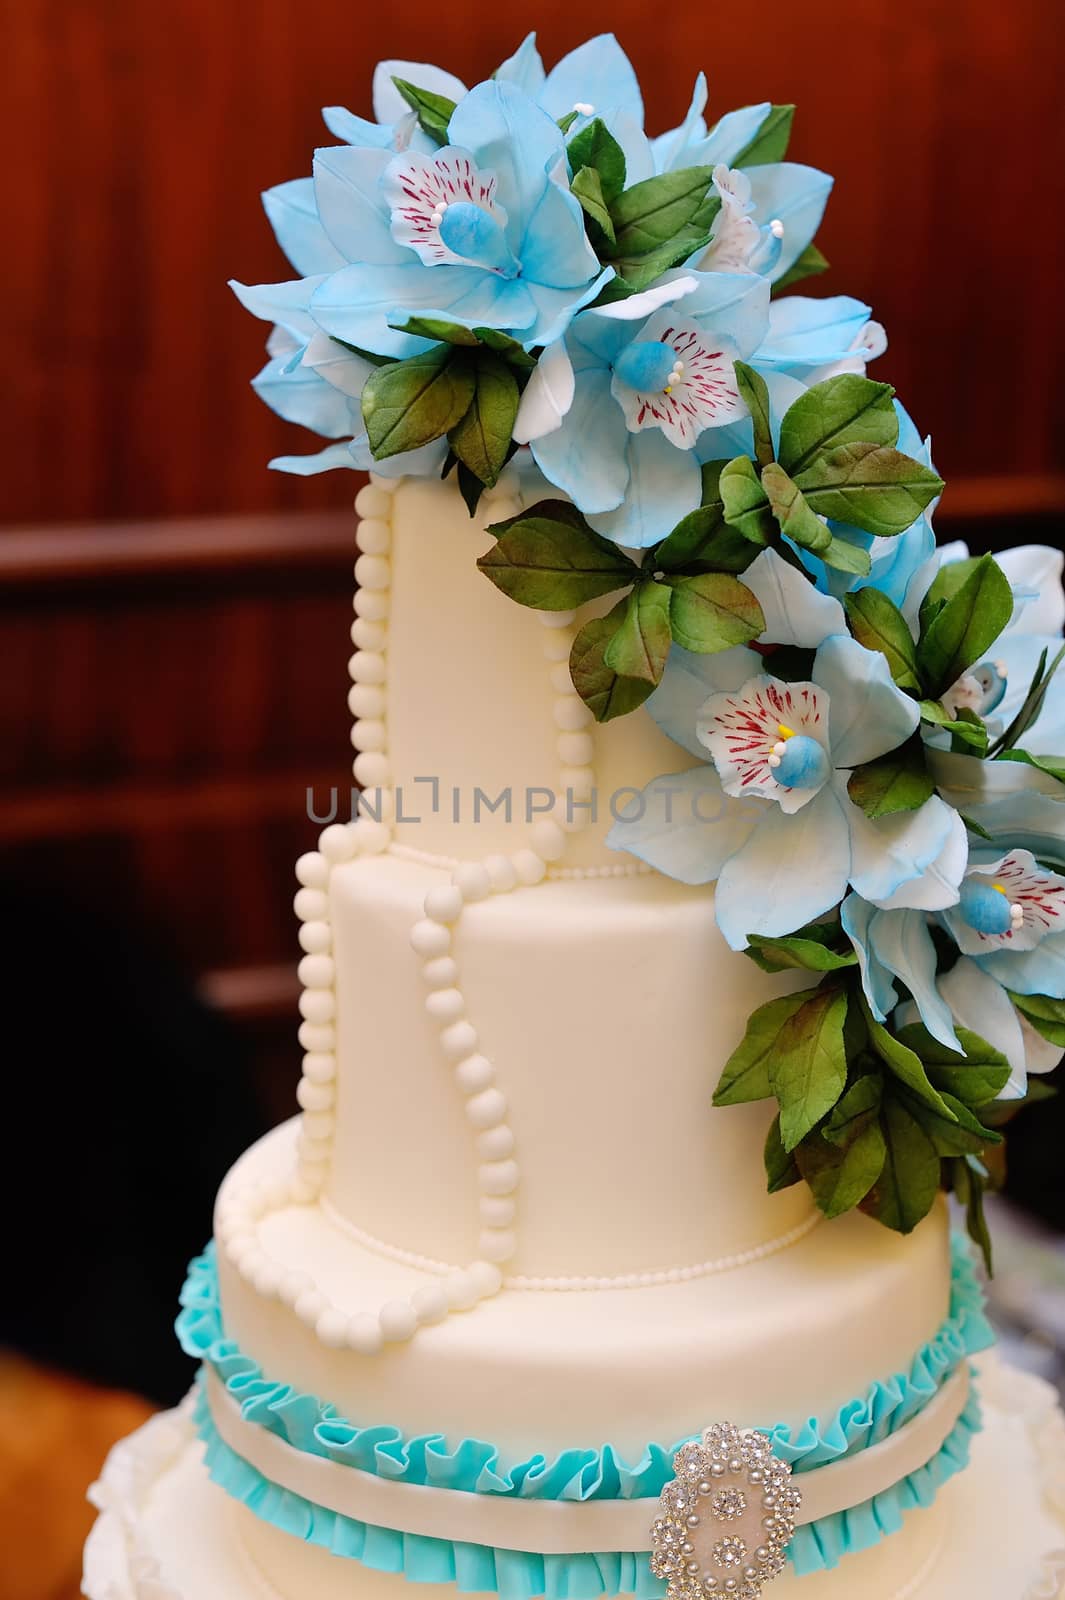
x: 170, y: 687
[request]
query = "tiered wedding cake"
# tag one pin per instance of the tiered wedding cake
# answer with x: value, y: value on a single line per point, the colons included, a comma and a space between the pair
x: 461, y: 1314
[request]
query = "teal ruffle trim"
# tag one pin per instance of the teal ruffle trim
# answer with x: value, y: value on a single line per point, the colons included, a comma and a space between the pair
x: 306, y: 1424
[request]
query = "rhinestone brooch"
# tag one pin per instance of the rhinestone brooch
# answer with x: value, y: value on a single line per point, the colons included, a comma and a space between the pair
x: 725, y: 1519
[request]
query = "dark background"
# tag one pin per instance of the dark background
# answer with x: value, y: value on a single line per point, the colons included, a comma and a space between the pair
x: 174, y: 617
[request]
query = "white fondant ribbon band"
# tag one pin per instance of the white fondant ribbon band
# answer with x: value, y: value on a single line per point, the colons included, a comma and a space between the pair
x: 562, y: 1527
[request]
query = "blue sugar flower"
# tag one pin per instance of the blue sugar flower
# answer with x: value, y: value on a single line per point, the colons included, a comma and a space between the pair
x: 771, y: 820
x: 1008, y: 927
x: 621, y: 413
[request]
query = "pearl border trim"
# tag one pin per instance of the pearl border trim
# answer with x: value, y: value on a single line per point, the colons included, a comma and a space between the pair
x: 626, y: 1280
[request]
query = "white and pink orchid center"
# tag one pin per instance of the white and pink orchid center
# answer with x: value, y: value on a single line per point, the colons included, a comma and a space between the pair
x: 444, y: 208
x: 1008, y: 904
x: 677, y: 377
x: 768, y: 739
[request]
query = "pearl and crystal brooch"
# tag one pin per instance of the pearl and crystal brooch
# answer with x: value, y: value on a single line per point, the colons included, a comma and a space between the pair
x: 726, y: 1517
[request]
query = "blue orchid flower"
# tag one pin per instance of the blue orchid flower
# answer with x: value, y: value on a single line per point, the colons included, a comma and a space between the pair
x: 1008, y: 927
x: 621, y: 413
x: 770, y: 820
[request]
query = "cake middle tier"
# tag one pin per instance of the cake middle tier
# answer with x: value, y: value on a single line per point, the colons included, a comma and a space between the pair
x: 549, y: 1107
x: 798, y: 1335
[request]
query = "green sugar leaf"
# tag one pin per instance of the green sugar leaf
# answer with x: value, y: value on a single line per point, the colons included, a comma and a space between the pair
x: 410, y: 403
x: 909, y: 1182
x: 746, y: 1074
x: 969, y: 1186
x: 652, y: 213
x: 596, y: 147
x: 878, y: 624
x: 870, y: 486
x: 770, y: 143
x: 840, y: 1177
x: 703, y: 542
x: 640, y: 271
x: 781, y: 1170
x: 745, y: 501
x: 588, y: 189
x: 843, y: 410
x: 1046, y: 1015
x: 1053, y: 766
x: 808, y: 1064
x: 710, y: 472
x: 905, y: 1063
x: 966, y: 626
x: 606, y: 694
x: 549, y: 558
x: 899, y: 781
x: 973, y: 734
x: 641, y: 643
x: 565, y: 123
x: 434, y: 110
x: 854, y: 1112
x: 974, y: 1078
x: 962, y: 1136
x: 470, y: 486
x: 507, y: 347
x: 481, y: 440
x: 439, y: 329
x: 795, y: 951
x: 808, y: 264
x: 847, y: 557
x: 792, y: 512
x: 752, y: 387
x: 713, y: 611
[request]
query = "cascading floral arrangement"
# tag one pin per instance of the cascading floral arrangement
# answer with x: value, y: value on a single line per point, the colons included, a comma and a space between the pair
x: 872, y: 742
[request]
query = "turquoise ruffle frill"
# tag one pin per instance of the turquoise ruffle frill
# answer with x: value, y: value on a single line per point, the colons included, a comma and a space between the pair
x: 307, y: 1424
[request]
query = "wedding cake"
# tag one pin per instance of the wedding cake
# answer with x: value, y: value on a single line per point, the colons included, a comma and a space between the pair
x: 696, y: 923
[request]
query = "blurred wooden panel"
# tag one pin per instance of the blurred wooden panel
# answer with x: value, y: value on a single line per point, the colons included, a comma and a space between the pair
x: 145, y: 132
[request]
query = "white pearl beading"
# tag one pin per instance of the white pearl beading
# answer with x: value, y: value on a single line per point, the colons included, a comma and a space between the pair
x: 577, y: 1284
x: 498, y: 1172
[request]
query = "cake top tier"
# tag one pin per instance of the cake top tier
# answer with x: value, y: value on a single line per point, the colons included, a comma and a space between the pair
x: 734, y: 520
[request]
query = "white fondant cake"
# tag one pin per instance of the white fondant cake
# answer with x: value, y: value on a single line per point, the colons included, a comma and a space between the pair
x: 508, y: 1213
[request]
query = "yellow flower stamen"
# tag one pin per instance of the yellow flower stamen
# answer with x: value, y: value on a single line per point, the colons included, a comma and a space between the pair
x: 785, y: 732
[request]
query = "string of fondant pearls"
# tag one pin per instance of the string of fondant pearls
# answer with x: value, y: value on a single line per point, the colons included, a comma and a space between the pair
x: 475, y: 1076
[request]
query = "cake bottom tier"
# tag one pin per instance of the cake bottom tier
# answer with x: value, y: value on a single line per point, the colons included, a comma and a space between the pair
x: 166, y: 1532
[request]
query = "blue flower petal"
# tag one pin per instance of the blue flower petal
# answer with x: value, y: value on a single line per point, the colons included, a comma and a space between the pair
x: 300, y: 395
x: 508, y: 133
x: 670, y: 149
x: 524, y: 68
x: 868, y: 714
x: 425, y: 462
x: 729, y: 136
x: 902, y: 942
x: 556, y: 308
x: 294, y: 218
x: 352, y: 208
x: 1030, y: 820
x: 555, y: 251
x: 349, y: 128
x: 389, y: 105
x: 691, y: 679
x: 598, y: 73
x: 857, y: 916
x: 664, y: 485
x: 911, y: 858
x: 792, y: 869
x: 287, y: 304
x: 807, y: 332
x: 734, y: 304
x: 586, y: 457
x: 685, y: 825
x: 334, y: 455
x: 983, y: 1006
x: 358, y: 303
x: 795, y: 613
x: 795, y: 195
x: 1038, y: 971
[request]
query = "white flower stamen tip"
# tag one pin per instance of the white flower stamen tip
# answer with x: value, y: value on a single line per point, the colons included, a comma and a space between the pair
x: 774, y: 759
x: 583, y: 109
x: 776, y: 228
x: 1016, y: 914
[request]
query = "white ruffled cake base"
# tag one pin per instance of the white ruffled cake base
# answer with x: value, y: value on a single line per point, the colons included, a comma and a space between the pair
x: 165, y: 1532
